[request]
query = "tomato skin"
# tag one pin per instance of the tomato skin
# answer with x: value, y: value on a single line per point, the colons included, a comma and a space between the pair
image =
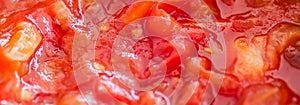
x: 177, y: 17
x: 50, y: 78
x: 74, y: 7
x: 162, y: 26
x: 136, y: 11
x: 149, y: 48
x: 249, y: 100
x: 281, y: 38
x: 175, y: 13
x: 145, y: 50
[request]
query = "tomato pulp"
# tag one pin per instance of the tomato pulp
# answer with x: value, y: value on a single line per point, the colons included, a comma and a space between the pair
x: 149, y: 52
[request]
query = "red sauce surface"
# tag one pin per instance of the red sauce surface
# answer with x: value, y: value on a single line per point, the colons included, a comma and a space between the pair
x: 150, y: 52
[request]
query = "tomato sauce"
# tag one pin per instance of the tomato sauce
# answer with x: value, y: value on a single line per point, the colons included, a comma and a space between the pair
x: 150, y: 52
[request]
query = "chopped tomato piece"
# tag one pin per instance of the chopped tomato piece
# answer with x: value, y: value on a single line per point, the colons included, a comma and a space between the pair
x: 198, y: 35
x: 62, y: 13
x: 250, y: 63
x: 136, y: 11
x: 162, y: 25
x: 48, y: 77
x: 279, y: 39
x: 149, y: 48
x: 275, y: 93
x: 36, y: 52
x: 228, y: 83
x: 24, y: 41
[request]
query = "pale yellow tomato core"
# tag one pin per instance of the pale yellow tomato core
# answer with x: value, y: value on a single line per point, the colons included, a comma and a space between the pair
x: 24, y: 41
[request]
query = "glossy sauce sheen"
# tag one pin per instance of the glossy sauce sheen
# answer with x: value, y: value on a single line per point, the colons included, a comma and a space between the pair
x: 262, y: 39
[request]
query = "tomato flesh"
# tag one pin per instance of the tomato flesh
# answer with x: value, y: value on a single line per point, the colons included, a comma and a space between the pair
x: 37, y: 52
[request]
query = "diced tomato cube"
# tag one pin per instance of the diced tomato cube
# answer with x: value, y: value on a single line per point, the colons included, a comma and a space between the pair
x: 23, y: 42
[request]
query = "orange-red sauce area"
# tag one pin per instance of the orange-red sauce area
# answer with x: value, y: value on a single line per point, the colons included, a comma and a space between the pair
x: 134, y: 41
